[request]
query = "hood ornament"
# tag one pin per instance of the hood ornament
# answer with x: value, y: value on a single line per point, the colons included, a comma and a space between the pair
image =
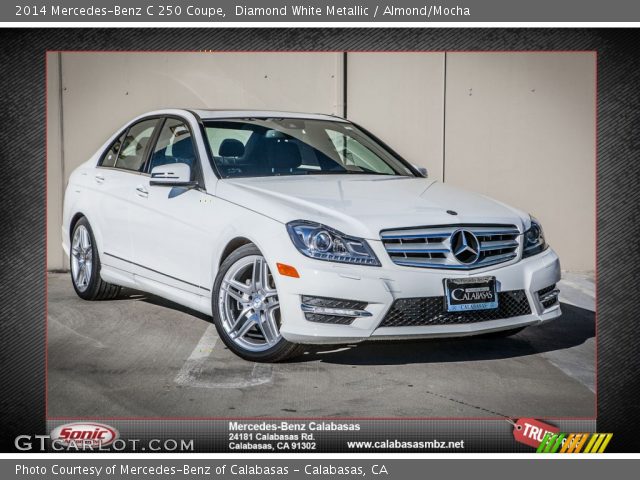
x: 465, y: 246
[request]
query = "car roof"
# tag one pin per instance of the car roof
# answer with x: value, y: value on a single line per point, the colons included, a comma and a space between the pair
x: 231, y: 113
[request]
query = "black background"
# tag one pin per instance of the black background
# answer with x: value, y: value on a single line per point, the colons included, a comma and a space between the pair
x: 22, y: 184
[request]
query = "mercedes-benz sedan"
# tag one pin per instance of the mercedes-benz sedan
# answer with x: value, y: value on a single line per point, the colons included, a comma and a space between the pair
x: 292, y: 229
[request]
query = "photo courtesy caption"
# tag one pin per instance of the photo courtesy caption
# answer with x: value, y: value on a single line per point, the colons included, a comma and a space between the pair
x: 125, y: 469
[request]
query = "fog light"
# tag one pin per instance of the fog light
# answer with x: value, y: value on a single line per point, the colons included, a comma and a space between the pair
x: 340, y: 312
x: 337, y: 311
x: 548, y: 296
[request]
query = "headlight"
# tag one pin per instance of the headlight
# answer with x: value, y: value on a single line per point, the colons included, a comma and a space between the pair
x: 323, y: 243
x: 534, y: 241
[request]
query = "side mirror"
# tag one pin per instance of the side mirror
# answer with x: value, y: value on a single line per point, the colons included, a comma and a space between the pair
x: 422, y: 170
x: 172, y: 175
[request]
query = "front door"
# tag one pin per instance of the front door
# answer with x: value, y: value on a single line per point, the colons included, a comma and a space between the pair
x: 169, y: 240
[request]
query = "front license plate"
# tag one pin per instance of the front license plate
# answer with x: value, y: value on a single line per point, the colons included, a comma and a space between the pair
x: 468, y: 294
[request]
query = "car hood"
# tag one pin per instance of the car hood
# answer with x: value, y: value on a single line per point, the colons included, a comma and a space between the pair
x: 362, y: 205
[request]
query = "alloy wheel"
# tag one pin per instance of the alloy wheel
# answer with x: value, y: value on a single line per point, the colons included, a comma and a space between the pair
x: 248, y: 305
x: 81, y: 258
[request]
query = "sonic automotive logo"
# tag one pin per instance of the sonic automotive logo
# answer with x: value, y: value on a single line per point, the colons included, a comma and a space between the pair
x: 87, y: 435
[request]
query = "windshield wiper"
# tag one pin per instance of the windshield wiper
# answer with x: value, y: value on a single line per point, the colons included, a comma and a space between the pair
x: 346, y: 172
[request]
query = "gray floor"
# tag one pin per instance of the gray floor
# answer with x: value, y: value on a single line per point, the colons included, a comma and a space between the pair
x: 144, y: 357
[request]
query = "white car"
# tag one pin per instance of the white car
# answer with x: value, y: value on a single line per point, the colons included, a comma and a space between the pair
x: 292, y: 229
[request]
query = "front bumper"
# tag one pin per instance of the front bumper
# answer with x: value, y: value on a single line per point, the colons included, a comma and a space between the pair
x: 379, y: 287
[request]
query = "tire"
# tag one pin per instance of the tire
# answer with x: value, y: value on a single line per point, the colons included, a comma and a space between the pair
x: 84, y: 264
x: 503, y: 333
x: 246, y: 310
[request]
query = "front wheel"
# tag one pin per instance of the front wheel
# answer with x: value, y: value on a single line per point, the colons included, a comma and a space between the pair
x: 246, y: 309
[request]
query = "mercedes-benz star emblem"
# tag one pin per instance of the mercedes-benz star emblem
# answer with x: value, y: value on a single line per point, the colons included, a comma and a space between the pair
x: 465, y: 246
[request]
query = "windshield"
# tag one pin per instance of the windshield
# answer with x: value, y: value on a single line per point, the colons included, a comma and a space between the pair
x: 290, y: 146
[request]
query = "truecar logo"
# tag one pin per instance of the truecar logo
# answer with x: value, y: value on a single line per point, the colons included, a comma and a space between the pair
x: 574, y: 443
x: 547, y: 438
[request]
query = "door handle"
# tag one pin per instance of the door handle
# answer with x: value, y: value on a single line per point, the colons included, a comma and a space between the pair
x: 99, y: 178
x: 141, y: 191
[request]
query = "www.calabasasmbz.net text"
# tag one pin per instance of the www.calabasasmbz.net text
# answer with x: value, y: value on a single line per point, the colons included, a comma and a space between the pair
x: 407, y: 445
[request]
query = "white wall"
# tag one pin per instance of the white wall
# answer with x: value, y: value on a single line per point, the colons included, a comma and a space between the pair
x: 519, y: 127
x: 55, y: 167
x: 398, y: 97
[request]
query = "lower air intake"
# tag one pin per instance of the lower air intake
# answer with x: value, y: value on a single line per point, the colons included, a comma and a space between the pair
x: 427, y: 311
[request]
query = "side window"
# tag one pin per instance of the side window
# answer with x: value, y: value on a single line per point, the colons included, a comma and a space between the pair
x: 218, y: 136
x: 132, y: 152
x: 174, y: 145
x: 109, y: 157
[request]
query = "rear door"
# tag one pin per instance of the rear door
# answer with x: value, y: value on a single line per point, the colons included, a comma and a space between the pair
x: 115, y: 181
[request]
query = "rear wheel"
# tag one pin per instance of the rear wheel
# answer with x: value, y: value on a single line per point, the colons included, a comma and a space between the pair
x: 246, y: 309
x: 85, y: 265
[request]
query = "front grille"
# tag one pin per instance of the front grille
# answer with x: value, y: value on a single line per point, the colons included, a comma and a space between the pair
x: 430, y: 247
x: 551, y: 300
x: 427, y: 311
x: 331, y: 303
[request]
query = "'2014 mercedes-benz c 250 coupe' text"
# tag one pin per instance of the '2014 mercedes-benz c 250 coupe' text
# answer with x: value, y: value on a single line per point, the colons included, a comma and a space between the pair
x: 292, y: 229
